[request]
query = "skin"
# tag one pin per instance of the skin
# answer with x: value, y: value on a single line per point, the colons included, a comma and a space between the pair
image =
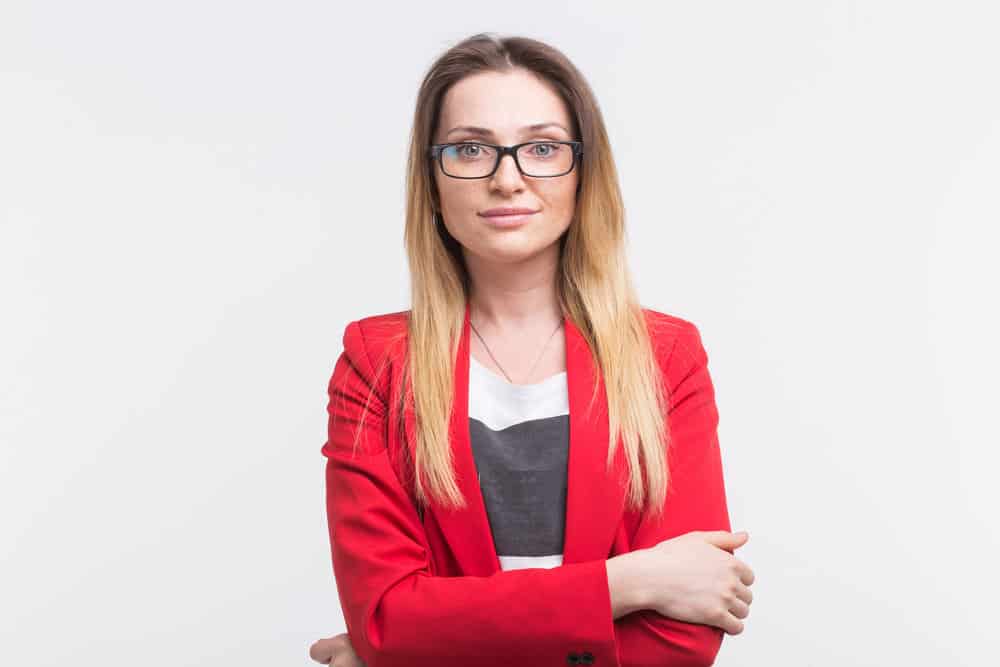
x: 336, y: 651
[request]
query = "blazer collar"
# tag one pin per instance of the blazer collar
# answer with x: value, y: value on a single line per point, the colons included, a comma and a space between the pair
x: 595, y: 497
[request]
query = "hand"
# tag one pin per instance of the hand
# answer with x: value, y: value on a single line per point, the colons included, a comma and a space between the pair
x: 695, y: 578
x: 335, y: 651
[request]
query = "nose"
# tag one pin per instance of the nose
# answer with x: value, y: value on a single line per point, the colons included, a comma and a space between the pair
x: 507, y: 176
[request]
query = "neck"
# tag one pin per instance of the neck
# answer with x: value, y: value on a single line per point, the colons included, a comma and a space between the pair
x: 512, y: 296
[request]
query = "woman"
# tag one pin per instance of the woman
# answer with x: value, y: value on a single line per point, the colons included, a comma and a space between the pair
x: 511, y: 527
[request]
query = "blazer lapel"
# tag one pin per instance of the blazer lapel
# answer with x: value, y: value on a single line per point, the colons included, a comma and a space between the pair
x: 595, y: 497
x: 466, y: 530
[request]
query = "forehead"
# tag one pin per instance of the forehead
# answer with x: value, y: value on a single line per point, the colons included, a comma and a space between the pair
x: 503, y: 102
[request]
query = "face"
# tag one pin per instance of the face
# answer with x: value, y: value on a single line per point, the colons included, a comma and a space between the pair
x: 505, y: 104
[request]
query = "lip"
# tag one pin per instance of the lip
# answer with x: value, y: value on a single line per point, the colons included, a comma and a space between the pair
x: 508, y: 216
x: 507, y: 210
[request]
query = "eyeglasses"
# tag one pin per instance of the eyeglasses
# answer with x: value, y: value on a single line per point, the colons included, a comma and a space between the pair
x: 536, y: 159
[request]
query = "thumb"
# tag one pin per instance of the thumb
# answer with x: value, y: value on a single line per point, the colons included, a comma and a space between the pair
x: 322, y: 650
x: 725, y: 539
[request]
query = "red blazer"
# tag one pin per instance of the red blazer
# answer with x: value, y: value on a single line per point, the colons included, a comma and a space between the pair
x: 428, y: 591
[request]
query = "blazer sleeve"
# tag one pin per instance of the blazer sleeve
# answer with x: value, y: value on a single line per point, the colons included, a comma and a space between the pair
x: 696, y: 500
x: 396, y: 611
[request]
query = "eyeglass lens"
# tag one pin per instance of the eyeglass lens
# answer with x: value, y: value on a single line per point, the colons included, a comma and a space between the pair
x: 471, y: 160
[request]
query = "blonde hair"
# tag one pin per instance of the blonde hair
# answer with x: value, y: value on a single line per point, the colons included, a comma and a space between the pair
x: 594, y: 285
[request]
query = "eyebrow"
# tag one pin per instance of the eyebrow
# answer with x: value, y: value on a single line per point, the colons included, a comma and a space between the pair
x: 484, y: 132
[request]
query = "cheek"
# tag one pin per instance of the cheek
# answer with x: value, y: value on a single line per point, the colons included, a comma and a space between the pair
x: 455, y: 198
x: 451, y: 194
x: 561, y: 198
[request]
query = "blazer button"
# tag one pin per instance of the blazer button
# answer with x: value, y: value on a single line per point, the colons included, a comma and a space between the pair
x: 573, y: 659
x: 587, y: 658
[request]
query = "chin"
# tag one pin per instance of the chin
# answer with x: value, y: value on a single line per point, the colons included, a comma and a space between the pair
x: 515, y: 252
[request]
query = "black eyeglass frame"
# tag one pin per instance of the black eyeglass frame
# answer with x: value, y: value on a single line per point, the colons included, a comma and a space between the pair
x: 434, y: 152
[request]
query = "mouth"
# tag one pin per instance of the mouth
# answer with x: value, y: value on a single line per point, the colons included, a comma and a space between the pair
x: 507, y: 216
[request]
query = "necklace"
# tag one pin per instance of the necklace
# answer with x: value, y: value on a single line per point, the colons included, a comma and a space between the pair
x: 490, y: 352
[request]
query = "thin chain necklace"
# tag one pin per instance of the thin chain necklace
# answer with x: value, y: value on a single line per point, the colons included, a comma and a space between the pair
x: 489, y: 352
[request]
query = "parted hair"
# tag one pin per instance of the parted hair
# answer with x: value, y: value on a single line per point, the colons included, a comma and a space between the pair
x: 595, y: 288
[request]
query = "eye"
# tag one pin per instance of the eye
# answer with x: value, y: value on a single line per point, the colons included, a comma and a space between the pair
x: 544, y: 150
x: 470, y: 151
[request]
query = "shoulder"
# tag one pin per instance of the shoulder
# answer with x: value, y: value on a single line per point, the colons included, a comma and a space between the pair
x: 372, y: 339
x: 676, y: 341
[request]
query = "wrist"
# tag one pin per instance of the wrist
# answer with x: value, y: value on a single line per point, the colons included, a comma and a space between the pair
x: 627, y: 592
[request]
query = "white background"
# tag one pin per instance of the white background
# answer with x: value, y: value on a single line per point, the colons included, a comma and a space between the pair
x: 197, y: 197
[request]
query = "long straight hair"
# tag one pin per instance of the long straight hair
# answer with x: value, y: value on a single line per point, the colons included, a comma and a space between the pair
x: 594, y: 286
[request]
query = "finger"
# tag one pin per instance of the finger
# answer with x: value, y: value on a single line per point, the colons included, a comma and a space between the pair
x: 319, y: 654
x: 724, y: 539
x: 730, y: 624
x: 746, y: 574
x: 743, y: 593
x: 739, y: 608
x: 346, y: 656
x: 322, y: 651
x: 344, y: 659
